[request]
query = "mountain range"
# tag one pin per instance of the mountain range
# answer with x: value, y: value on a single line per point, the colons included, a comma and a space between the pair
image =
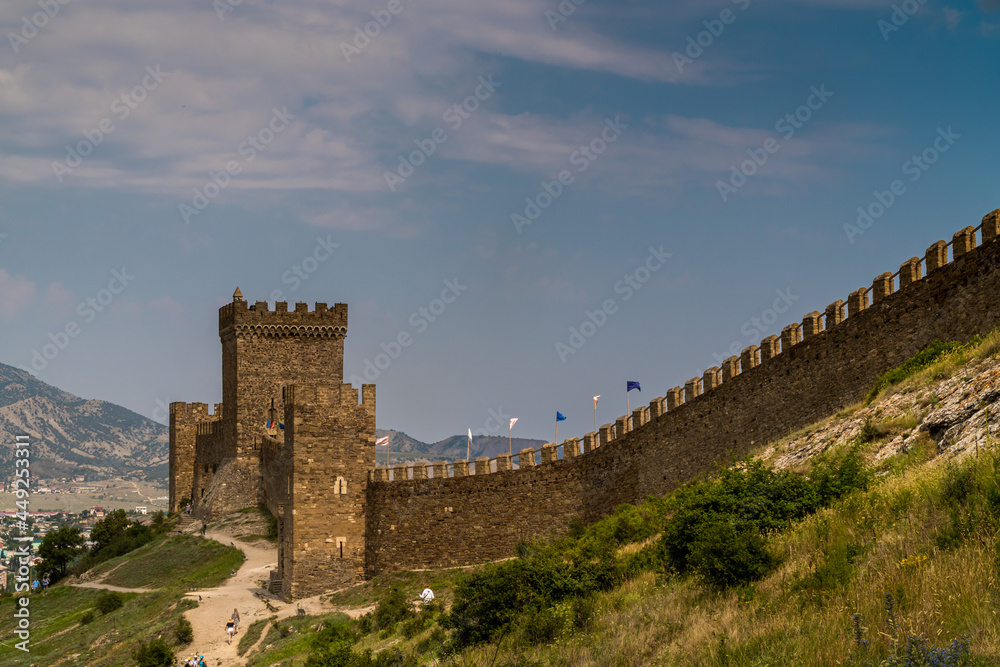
x: 72, y: 435
x: 403, y: 448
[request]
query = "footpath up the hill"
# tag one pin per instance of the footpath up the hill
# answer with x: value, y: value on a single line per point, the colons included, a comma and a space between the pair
x: 242, y: 592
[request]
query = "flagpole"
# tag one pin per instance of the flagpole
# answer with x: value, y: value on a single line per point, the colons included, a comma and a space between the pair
x: 510, y: 425
x: 595, y: 411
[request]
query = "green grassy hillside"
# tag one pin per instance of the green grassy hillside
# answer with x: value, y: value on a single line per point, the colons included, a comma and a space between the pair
x: 68, y: 628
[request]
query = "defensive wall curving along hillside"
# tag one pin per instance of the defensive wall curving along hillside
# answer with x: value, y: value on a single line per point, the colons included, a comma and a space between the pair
x: 439, y: 515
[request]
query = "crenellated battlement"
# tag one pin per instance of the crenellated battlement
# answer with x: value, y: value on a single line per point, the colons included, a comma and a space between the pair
x: 341, y: 516
x: 194, y: 412
x: 446, y: 515
x: 328, y: 395
x: 258, y: 319
x: 885, y: 288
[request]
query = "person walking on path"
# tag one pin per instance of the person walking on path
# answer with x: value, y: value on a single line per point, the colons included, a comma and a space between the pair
x: 427, y: 596
x: 230, y: 630
x: 236, y: 621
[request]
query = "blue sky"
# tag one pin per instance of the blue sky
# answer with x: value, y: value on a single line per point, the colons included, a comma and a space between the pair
x: 192, y: 147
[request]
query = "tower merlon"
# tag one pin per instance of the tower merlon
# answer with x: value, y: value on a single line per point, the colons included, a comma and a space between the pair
x: 241, y: 313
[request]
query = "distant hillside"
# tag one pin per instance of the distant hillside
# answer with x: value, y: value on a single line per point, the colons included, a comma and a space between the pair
x: 403, y: 448
x: 73, y: 435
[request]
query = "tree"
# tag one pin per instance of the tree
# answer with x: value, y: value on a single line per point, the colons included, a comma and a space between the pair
x: 109, y: 529
x: 59, y: 548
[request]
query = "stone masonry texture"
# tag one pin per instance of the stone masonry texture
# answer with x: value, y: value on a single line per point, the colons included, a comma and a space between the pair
x: 341, y: 518
x: 464, y: 520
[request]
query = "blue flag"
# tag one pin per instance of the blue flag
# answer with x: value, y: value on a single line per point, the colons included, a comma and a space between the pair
x: 560, y: 416
x: 630, y: 385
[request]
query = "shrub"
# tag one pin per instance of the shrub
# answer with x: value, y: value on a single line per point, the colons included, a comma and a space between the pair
x: 272, y: 524
x: 583, y: 611
x: 434, y: 642
x: 869, y: 432
x: 340, y: 655
x: 159, y: 522
x: 282, y: 630
x: 183, y: 631
x: 393, y: 607
x: 109, y: 601
x: 366, y: 624
x: 88, y: 617
x: 717, y: 527
x: 911, y: 366
x: 489, y: 602
x: 541, y: 626
x: 416, y: 625
x: 722, y: 556
x: 957, y: 484
x: 154, y: 654
x: 332, y: 646
x: 835, y: 571
x: 113, y: 536
x: 835, y: 476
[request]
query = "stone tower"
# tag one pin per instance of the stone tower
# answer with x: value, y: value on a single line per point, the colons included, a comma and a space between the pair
x: 315, y: 483
x: 262, y: 350
x: 186, y: 419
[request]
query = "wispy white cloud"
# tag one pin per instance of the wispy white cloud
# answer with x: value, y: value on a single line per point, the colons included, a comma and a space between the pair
x: 16, y: 293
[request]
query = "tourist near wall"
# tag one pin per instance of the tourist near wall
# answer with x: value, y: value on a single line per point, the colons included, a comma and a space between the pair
x: 439, y: 515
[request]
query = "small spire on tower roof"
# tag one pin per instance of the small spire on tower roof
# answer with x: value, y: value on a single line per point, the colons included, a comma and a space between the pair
x: 237, y: 295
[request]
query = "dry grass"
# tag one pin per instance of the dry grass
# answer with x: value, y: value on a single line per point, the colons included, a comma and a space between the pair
x: 892, y: 532
x: 654, y: 620
x: 636, y: 547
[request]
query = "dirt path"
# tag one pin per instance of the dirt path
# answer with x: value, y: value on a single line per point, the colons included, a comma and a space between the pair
x: 241, y: 592
x: 109, y: 587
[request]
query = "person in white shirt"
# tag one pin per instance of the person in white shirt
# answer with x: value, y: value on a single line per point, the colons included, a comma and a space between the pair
x: 427, y: 596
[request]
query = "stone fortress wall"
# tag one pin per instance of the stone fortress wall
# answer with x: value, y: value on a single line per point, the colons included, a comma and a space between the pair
x: 341, y: 517
x: 439, y: 515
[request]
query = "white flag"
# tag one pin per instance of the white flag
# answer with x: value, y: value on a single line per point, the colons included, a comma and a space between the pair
x: 595, y: 400
x: 470, y: 435
x: 513, y: 420
x: 382, y: 441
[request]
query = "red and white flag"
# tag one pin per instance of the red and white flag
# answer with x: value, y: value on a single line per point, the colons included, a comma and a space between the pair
x: 382, y: 441
x: 513, y: 420
x: 595, y: 400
